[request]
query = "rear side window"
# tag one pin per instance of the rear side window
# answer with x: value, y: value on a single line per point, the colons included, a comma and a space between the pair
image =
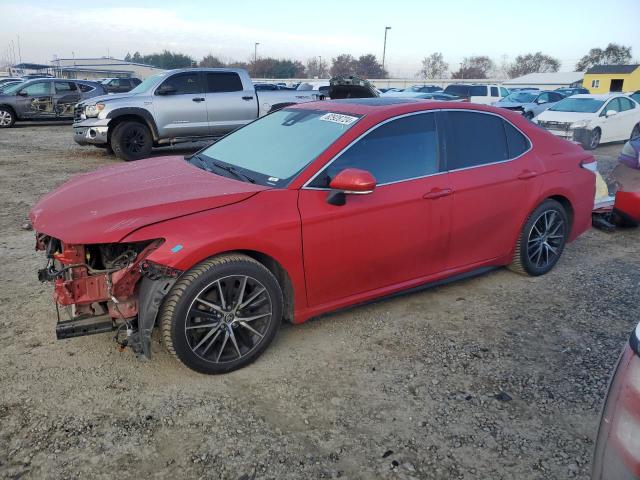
x: 135, y: 82
x: 626, y: 104
x: 223, y: 82
x: 494, y: 91
x: 184, y: 83
x: 478, y: 91
x: 65, y: 87
x: 517, y: 143
x: 401, y: 149
x: 474, y: 139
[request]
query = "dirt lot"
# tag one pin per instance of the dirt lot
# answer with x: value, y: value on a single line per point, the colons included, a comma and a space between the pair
x: 497, y: 377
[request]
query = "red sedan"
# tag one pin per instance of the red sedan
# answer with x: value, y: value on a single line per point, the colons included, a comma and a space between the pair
x: 309, y: 209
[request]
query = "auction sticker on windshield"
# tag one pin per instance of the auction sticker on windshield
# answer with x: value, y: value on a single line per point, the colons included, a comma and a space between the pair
x: 338, y: 118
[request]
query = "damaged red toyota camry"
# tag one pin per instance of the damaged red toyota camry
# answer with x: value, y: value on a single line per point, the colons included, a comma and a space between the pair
x: 310, y: 209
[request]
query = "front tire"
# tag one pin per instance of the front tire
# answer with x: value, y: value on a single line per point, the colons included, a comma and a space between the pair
x: 635, y: 133
x: 542, y: 240
x: 7, y: 117
x: 593, y: 140
x: 222, y: 314
x: 131, y: 140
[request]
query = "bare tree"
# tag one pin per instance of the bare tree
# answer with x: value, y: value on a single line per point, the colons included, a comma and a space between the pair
x: 533, y: 63
x: 434, y: 66
x: 209, y: 61
x: 613, y: 54
x: 343, y: 64
x: 475, y: 67
x: 316, y: 67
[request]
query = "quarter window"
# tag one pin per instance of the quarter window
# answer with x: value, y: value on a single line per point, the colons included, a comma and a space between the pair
x: 474, y: 139
x: 65, y: 87
x: 184, y: 83
x: 223, y: 82
x: 401, y: 149
x: 85, y: 88
x: 517, y: 143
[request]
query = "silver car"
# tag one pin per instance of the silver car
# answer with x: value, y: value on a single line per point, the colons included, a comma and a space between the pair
x: 529, y: 103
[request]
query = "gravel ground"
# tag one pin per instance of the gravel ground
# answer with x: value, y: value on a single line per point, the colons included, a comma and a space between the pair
x: 496, y: 377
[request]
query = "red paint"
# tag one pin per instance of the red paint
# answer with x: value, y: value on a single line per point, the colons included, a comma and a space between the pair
x: 629, y: 204
x: 353, y: 180
x: 399, y: 236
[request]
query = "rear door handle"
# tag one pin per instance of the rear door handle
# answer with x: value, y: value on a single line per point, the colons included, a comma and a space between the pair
x: 527, y: 174
x: 437, y: 193
x: 247, y: 98
x: 198, y: 99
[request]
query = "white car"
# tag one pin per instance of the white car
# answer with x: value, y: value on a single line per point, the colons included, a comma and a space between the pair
x: 593, y: 119
x: 476, y: 93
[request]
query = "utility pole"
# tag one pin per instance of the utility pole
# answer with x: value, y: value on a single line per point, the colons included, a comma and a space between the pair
x: 19, y: 51
x: 255, y: 52
x: 320, y: 72
x: 384, y: 48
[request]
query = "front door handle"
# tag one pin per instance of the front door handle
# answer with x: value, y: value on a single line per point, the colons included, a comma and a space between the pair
x: 437, y: 193
x: 247, y: 98
x: 527, y: 174
x: 198, y: 99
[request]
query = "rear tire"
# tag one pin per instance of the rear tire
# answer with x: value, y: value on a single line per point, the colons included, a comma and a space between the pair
x: 7, y: 117
x: 131, y: 140
x: 222, y: 314
x: 542, y: 240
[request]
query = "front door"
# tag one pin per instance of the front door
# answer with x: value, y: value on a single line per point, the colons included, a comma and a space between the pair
x: 181, y: 111
x: 35, y: 100
x: 495, y: 179
x: 395, y: 234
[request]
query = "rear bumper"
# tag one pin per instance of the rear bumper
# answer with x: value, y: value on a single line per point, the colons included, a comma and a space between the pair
x: 91, y: 132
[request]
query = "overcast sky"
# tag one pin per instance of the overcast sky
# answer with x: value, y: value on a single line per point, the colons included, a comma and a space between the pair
x: 297, y: 29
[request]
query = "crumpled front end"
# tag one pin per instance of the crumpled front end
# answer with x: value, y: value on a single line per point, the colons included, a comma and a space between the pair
x: 99, y: 288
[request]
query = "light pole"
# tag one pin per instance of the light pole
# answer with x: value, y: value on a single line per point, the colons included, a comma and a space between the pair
x: 319, y: 66
x: 255, y: 52
x: 384, y: 48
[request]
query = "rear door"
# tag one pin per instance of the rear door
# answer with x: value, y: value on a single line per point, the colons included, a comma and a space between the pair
x: 35, y: 100
x: 229, y: 105
x: 613, y: 127
x: 182, y: 113
x: 65, y: 96
x: 495, y: 180
x: 395, y: 234
x: 630, y: 116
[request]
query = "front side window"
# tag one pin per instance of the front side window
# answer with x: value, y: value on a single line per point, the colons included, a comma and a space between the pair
x: 401, y: 149
x: 503, y: 92
x: 274, y: 149
x: 218, y: 82
x: 612, y: 105
x: 543, y: 98
x: 184, y: 83
x: 38, y: 88
x: 494, y: 91
x: 474, y: 139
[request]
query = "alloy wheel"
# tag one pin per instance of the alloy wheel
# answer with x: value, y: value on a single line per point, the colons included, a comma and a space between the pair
x: 228, y: 319
x: 134, y: 140
x: 546, y: 239
x: 594, y: 141
x: 5, y: 118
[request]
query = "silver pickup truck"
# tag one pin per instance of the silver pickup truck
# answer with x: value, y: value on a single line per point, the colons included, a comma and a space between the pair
x: 177, y: 106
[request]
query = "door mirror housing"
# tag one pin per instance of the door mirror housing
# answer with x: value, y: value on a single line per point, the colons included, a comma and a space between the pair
x: 540, y: 101
x: 166, y: 89
x: 22, y: 93
x: 350, y: 181
x: 610, y: 113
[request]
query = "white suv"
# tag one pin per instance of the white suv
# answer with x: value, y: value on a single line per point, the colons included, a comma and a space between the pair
x: 593, y: 119
x: 477, y: 93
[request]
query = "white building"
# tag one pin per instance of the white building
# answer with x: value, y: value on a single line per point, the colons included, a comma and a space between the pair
x: 92, y: 68
x: 546, y: 81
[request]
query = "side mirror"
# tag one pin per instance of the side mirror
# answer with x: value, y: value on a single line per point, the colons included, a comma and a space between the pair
x: 22, y: 93
x: 540, y: 101
x: 350, y: 181
x: 166, y: 89
x: 611, y: 113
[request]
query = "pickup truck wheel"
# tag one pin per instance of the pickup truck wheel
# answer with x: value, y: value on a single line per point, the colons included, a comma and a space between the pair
x: 222, y: 314
x: 7, y: 117
x: 542, y: 240
x: 131, y: 140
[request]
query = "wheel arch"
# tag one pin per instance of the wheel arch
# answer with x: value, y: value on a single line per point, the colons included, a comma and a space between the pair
x: 566, y: 204
x: 9, y: 107
x: 132, y: 114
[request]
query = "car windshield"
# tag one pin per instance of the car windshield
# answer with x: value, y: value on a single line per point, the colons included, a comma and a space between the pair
x: 520, y: 97
x: 581, y: 105
x: 148, y: 83
x: 274, y: 149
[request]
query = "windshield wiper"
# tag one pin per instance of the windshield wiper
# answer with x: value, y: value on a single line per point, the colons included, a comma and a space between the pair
x: 233, y: 171
x: 197, y: 161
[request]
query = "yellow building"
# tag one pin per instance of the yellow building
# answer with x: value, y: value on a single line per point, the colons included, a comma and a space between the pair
x: 612, y: 78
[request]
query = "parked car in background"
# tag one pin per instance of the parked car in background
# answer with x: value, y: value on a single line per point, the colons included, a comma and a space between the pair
x: 224, y: 245
x: 593, y: 119
x: 390, y: 89
x: 423, y: 88
x: 320, y: 87
x: 529, y: 103
x: 5, y: 80
x: 6, y: 85
x: 523, y: 89
x: 44, y: 99
x: 483, y: 94
x: 567, y: 92
x: 177, y: 106
x: 635, y: 96
x: 262, y: 86
x: 425, y: 96
x: 617, y: 451
x: 120, y: 85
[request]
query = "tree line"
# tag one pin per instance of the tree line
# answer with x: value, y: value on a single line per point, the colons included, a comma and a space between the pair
x: 367, y: 66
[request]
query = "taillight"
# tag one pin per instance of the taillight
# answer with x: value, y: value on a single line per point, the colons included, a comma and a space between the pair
x: 590, y: 165
x: 617, y: 453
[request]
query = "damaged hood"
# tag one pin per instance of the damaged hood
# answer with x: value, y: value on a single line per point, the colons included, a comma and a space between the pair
x: 107, y: 205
